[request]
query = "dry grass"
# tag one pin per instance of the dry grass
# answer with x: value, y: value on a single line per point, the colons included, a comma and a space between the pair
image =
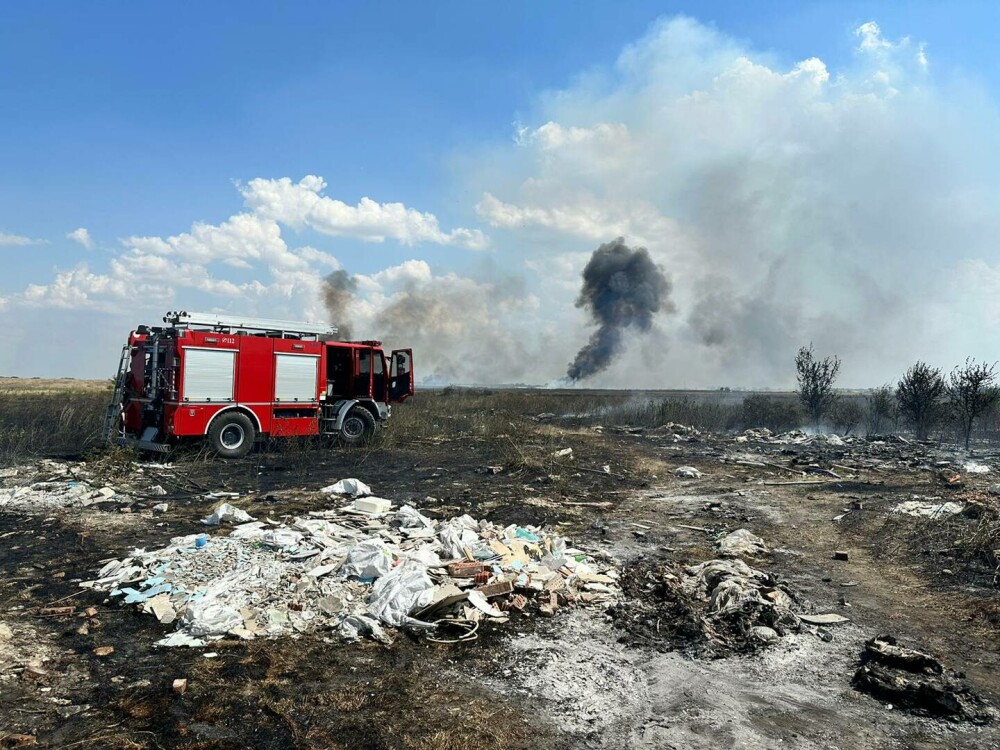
x: 52, y: 385
x: 50, y: 423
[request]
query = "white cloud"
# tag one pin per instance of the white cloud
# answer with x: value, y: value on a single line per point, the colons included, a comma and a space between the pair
x: 17, y: 240
x: 303, y: 204
x: 154, y: 269
x: 82, y: 236
x: 871, y: 37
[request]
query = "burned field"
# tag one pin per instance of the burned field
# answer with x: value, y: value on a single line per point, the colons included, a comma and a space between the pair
x: 774, y: 589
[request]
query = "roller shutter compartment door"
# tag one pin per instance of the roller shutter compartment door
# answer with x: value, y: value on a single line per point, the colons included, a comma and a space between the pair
x: 209, y: 375
x: 295, y: 377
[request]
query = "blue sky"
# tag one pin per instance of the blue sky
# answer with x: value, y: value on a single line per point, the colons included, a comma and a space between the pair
x: 140, y: 120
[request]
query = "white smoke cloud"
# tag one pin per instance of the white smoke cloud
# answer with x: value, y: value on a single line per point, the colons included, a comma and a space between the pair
x: 789, y: 204
x: 462, y: 330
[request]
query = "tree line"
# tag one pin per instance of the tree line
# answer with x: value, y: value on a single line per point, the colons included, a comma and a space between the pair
x: 924, y: 398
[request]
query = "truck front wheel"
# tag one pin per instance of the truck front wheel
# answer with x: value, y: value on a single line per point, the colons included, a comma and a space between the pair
x: 358, y: 427
x: 231, y: 435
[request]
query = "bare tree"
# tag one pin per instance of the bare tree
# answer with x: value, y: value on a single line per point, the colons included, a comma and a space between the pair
x: 919, y: 397
x: 971, y: 391
x: 816, y: 377
x: 880, y: 410
x: 846, y: 414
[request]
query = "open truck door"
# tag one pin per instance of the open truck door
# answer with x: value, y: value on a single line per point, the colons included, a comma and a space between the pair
x: 400, y: 375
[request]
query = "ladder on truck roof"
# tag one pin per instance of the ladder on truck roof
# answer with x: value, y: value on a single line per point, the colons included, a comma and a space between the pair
x: 233, y: 323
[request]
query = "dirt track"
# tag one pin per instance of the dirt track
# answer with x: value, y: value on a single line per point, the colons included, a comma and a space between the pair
x: 566, y: 682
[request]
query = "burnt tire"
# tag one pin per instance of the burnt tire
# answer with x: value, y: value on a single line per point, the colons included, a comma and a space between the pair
x: 358, y: 427
x: 231, y: 435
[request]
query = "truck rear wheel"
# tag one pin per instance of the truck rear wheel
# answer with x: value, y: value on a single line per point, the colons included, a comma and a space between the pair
x: 358, y: 427
x: 231, y: 435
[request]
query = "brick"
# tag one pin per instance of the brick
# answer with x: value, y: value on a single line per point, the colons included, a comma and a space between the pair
x: 500, y: 588
x: 555, y: 583
x: 466, y: 569
x: 518, y: 602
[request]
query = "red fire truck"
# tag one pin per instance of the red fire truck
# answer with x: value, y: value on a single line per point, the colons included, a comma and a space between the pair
x: 231, y: 380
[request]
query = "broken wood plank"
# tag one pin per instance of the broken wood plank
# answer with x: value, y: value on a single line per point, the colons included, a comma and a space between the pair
x: 692, y: 528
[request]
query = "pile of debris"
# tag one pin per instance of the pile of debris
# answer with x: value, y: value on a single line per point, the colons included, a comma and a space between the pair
x: 793, y: 437
x: 931, y: 507
x: 681, y: 433
x: 51, y: 485
x: 717, y: 607
x: 354, y: 569
x: 912, y: 680
x: 711, y: 609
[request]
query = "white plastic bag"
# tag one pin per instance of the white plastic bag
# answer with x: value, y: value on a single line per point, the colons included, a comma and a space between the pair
x: 410, y: 518
x: 426, y: 557
x: 350, y: 487
x: 454, y: 537
x: 210, y: 617
x: 395, y: 595
x: 228, y: 513
x: 371, y: 558
x: 353, y: 626
x: 281, y: 538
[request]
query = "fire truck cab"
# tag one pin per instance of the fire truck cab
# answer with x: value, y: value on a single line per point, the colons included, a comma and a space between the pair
x: 231, y: 380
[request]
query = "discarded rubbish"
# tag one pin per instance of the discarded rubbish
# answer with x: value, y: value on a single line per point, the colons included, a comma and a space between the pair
x: 465, y: 630
x: 715, y: 607
x: 355, y: 573
x: 687, y: 472
x: 349, y: 487
x: 928, y: 509
x: 370, y: 558
x: 372, y: 505
x: 564, y: 453
x: 228, y: 514
x: 917, y: 682
x: 50, y: 485
x: 741, y: 542
x: 827, y: 619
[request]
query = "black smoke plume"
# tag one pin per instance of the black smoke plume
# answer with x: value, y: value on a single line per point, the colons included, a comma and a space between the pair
x: 337, y: 293
x: 622, y: 288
